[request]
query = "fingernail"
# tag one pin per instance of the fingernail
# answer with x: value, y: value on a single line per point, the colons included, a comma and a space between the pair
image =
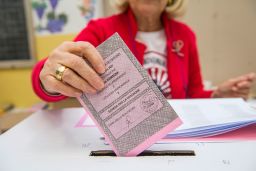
x: 101, y: 68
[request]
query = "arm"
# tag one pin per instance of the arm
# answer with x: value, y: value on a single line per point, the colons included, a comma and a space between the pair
x: 235, y: 87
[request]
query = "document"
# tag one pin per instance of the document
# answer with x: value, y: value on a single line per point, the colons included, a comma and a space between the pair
x: 130, y: 111
x: 209, y: 117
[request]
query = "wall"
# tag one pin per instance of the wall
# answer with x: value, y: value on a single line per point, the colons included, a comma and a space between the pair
x: 16, y: 83
x: 226, y: 32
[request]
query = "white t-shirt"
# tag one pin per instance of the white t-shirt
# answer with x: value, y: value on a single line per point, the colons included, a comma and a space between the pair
x: 155, y: 58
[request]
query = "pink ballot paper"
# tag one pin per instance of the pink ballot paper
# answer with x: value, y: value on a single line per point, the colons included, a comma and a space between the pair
x: 130, y: 111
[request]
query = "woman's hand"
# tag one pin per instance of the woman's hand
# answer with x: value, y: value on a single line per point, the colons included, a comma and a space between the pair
x: 79, y: 76
x: 236, y: 87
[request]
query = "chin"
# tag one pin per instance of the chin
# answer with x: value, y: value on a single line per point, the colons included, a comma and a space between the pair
x: 147, y: 7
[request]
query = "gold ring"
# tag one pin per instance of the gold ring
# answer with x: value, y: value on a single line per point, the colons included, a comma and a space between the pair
x: 59, y: 72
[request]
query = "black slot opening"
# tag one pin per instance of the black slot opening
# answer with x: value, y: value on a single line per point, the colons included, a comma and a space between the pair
x: 148, y: 153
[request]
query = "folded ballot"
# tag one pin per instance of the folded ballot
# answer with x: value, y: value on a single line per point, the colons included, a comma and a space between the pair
x: 210, y: 117
x: 130, y: 111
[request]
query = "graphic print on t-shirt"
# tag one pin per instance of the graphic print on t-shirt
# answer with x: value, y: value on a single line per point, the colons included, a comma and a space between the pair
x: 155, y: 59
x: 155, y: 64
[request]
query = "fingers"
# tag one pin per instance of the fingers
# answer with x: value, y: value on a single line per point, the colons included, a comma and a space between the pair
x: 238, y: 79
x: 62, y: 88
x: 229, y: 89
x: 244, y: 85
x: 247, y: 77
x: 252, y: 76
x: 72, y: 79
x: 242, y: 91
x: 88, y: 52
x: 83, y: 63
x: 92, y: 55
x: 83, y: 70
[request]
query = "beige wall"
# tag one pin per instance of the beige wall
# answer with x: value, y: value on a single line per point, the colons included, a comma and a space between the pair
x: 226, y: 34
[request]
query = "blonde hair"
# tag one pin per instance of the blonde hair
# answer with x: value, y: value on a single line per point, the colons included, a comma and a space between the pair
x: 174, y: 8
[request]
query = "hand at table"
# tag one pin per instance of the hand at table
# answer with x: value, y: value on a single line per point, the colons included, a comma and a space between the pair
x: 236, y: 87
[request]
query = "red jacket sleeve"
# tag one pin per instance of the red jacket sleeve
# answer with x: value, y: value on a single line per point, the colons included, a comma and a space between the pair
x: 195, y: 85
x: 91, y: 34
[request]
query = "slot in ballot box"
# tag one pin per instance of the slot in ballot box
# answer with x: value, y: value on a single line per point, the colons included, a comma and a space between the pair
x: 49, y: 140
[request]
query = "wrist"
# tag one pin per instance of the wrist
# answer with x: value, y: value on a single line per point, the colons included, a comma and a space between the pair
x: 48, y: 92
x: 216, y: 93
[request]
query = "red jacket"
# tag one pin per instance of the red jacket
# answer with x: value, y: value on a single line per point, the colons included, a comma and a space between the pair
x: 184, y: 71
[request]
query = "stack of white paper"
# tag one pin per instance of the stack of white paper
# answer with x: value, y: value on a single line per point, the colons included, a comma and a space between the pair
x: 208, y: 117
